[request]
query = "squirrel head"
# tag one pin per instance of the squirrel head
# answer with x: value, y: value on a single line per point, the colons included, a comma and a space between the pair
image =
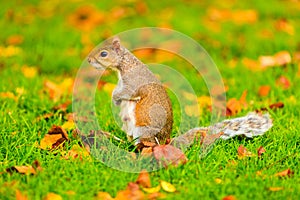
x: 107, y: 56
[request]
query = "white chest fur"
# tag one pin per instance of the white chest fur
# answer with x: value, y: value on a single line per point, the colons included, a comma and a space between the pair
x: 127, y: 115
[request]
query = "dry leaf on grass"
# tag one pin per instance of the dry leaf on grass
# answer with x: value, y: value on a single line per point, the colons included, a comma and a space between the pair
x: 260, y: 151
x: 20, y: 195
x: 132, y: 192
x: 52, y: 196
x: 272, y: 107
x: 77, y: 152
x: 264, y: 90
x: 235, y: 106
x: 169, y: 155
x: 56, y: 91
x: 168, y: 187
x: 103, y: 196
x: 229, y: 197
x: 26, y: 169
x: 54, y: 138
x: 275, y: 189
x: 284, y: 173
x: 243, y: 152
x: 144, y: 179
x: 283, y: 82
x: 152, y: 190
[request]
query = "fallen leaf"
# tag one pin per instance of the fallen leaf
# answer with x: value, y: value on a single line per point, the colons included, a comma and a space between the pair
x: 236, y: 16
x: 15, y: 39
x: 109, y: 87
x: 218, y: 181
x: 169, y: 155
x: 144, y: 179
x: 56, y: 91
x: 147, y: 151
x: 54, y: 138
x: 86, y: 18
x: 29, y: 71
x: 22, y: 169
x: 77, y: 152
x: 229, y: 197
x: 275, y: 189
x: 103, y: 196
x: 260, y: 151
x: 284, y: 173
x: 264, y: 90
x: 10, y: 51
x: 283, y: 82
x: 20, y: 195
x: 52, y: 196
x: 9, y: 95
x: 168, y: 187
x: 132, y: 192
x: 284, y: 26
x: 243, y: 152
x: 152, y: 190
x: 234, y: 106
x: 192, y: 110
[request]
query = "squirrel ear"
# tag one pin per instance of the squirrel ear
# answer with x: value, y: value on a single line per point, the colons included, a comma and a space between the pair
x: 116, y: 43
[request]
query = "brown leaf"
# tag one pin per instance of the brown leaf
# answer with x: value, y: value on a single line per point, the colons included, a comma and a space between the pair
x: 77, y: 152
x: 22, y: 169
x: 229, y: 197
x: 169, y: 155
x: 144, y: 179
x: 264, y: 90
x: 243, y: 152
x: 283, y: 82
x: 52, y: 196
x: 284, y: 173
x: 272, y: 106
x: 20, y: 195
x: 103, y: 196
x: 260, y: 151
x: 54, y: 138
x: 132, y: 192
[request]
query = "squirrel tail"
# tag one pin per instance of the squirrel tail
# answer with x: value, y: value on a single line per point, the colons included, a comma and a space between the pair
x: 253, y: 124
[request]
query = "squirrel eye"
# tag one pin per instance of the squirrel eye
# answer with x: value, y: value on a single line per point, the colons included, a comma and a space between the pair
x: 103, y: 53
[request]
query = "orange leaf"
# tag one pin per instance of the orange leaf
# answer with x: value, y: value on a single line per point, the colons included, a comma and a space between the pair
x: 284, y: 26
x: 132, y: 192
x: 52, y: 196
x: 54, y: 138
x: 283, y: 82
x: 144, y: 179
x: 29, y: 72
x: 264, y: 90
x: 169, y: 155
x: 284, y: 173
x: 20, y: 196
x: 243, y: 152
x: 260, y: 151
x: 103, y: 196
x: 14, y: 39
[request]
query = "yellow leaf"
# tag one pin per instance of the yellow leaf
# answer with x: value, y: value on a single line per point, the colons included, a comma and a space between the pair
x: 189, y: 96
x: 29, y: 72
x: 152, y: 190
x: 69, y: 125
x: 9, y: 51
x: 52, y: 196
x: 275, y: 189
x: 218, y: 180
x: 168, y: 187
x: 204, y: 101
x: 192, y: 110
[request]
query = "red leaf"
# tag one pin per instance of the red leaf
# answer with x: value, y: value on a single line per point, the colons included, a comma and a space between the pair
x: 283, y: 82
x: 169, y: 155
x: 260, y: 151
x: 243, y: 152
x: 229, y: 197
x: 264, y: 90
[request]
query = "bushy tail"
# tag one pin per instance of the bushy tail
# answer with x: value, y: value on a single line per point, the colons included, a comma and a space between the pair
x: 251, y: 125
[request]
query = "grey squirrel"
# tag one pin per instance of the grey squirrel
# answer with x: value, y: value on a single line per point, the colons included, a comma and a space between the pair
x: 146, y: 110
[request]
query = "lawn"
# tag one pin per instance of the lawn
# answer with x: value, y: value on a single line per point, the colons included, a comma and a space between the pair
x: 43, y: 44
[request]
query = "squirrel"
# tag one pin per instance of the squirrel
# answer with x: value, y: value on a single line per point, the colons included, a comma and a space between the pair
x: 146, y: 109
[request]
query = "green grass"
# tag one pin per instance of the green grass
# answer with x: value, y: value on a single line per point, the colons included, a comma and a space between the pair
x: 56, y: 49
